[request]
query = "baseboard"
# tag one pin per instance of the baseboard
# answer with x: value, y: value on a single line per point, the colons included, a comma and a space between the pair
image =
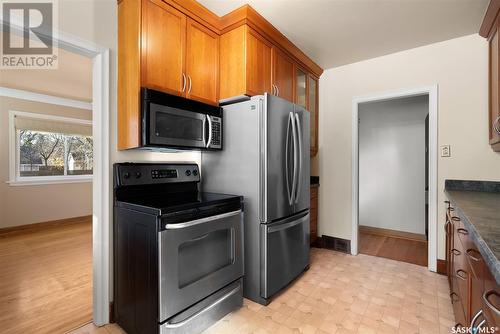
x: 441, y: 267
x: 333, y: 243
x: 7, y: 231
x: 383, y: 232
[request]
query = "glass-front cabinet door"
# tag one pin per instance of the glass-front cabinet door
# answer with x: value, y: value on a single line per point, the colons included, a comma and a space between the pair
x: 312, y: 106
x: 300, y: 87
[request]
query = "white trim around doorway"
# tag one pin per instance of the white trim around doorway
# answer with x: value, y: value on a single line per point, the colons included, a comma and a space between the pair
x: 432, y: 92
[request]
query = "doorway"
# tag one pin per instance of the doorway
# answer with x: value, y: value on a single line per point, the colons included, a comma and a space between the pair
x: 394, y: 176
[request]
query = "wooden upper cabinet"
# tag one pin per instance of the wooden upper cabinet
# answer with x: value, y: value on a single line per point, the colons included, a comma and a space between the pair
x: 283, y: 77
x: 163, y: 47
x: 300, y: 86
x: 312, y: 106
x: 258, y: 69
x: 490, y: 30
x: 202, y: 63
x: 245, y: 63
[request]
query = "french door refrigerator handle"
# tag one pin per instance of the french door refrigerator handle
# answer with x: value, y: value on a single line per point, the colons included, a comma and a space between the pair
x: 287, y: 152
x: 294, y: 135
x: 209, y: 131
x: 299, y: 180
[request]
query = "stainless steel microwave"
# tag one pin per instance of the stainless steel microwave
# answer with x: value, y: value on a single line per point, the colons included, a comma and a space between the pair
x: 170, y: 121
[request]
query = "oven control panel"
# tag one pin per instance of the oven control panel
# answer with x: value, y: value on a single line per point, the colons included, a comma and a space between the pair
x: 127, y: 174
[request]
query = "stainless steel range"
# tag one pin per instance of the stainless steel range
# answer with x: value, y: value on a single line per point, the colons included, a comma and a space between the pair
x: 178, y: 252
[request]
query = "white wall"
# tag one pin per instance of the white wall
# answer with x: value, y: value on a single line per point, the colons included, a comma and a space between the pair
x: 460, y: 68
x: 31, y: 204
x: 392, y: 164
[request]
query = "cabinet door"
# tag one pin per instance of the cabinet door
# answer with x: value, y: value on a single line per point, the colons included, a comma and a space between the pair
x: 300, y: 87
x: 491, y: 299
x: 258, y: 67
x: 494, y: 114
x: 202, y: 63
x: 163, y: 46
x: 282, y: 75
x: 312, y: 105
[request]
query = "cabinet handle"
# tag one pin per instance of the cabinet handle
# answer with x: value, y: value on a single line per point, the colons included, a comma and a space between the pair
x: 469, y: 251
x: 454, y: 300
x: 184, y: 81
x: 190, y: 84
x: 462, y: 231
x: 457, y: 219
x: 278, y: 90
x: 486, y: 295
x: 459, y: 271
x: 473, y: 321
x: 456, y: 251
x: 496, y: 125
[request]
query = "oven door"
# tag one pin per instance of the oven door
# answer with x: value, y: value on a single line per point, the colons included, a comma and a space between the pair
x: 169, y: 126
x: 197, y: 258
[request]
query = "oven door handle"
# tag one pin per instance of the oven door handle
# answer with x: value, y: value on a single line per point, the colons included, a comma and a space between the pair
x: 201, y: 221
x: 217, y: 302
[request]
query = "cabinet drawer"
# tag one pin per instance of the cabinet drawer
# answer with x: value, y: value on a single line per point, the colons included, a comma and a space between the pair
x: 458, y: 309
x: 491, y: 299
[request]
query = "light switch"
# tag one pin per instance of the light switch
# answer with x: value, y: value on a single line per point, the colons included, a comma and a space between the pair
x: 445, y: 151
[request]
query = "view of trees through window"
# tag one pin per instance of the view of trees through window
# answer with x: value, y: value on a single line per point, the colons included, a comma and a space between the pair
x: 54, y: 154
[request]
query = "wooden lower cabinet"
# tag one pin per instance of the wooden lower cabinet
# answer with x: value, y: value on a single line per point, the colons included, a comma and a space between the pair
x: 314, y: 214
x: 474, y: 293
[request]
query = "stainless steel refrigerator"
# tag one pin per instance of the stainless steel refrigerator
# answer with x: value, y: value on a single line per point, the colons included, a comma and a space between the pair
x: 265, y: 158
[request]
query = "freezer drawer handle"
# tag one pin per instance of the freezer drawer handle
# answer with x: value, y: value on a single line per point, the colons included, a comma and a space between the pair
x: 285, y: 226
x: 201, y: 221
x: 217, y: 302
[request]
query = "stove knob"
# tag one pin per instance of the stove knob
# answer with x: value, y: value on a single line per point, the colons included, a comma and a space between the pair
x: 195, y: 172
x: 138, y: 175
x: 188, y: 173
x: 126, y: 175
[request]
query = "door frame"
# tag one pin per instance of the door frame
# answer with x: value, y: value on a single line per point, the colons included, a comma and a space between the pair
x: 432, y: 92
x: 101, y: 213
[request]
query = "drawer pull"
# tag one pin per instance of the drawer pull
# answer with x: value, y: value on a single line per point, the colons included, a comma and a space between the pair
x: 462, y: 231
x: 459, y: 272
x: 456, y: 251
x: 457, y: 219
x: 486, y: 295
x: 469, y: 254
x: 454, y: 300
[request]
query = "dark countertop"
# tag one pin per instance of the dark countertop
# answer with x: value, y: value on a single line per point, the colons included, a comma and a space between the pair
x: 315, y: 181
x: 478, y: 206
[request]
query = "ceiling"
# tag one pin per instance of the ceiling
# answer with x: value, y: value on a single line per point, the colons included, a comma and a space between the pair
x: 339, y: 32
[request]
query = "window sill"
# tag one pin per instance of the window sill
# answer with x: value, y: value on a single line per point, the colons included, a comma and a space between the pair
x: 45, y: 181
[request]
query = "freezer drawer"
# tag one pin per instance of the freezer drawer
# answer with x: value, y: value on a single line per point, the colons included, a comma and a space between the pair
x: 286, y: 252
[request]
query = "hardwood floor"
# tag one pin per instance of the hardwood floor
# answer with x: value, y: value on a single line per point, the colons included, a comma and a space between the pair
x: 411, y: 251
x: 46, y: 279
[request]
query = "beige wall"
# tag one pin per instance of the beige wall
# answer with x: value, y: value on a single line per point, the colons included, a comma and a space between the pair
x: 22, y: 205
x: 459, y: 67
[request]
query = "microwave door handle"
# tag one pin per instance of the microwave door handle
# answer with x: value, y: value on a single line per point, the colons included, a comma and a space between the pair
x: 299, y: 136
x: 204, y: 131
x: 209, y: 131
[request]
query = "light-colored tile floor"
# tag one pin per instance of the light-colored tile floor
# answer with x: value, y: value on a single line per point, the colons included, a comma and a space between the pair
x: 341, y: 293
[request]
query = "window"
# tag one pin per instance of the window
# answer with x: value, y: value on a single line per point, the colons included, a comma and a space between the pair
x: 49, y: 149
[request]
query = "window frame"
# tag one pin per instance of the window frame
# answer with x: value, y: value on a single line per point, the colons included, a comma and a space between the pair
x: 15, y: 179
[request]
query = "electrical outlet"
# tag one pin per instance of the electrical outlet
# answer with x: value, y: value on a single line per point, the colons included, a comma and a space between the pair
x: 445, y: 151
